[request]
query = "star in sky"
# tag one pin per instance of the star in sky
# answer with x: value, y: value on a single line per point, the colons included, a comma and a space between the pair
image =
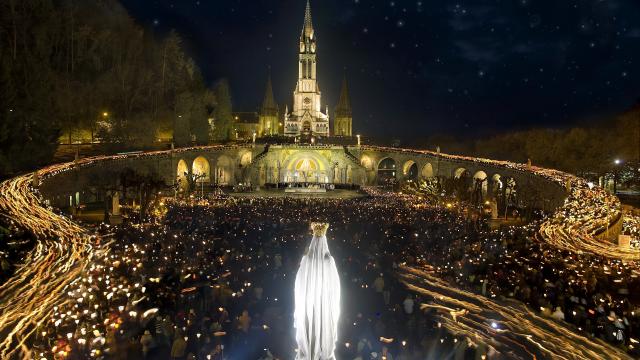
x: 476, y: 66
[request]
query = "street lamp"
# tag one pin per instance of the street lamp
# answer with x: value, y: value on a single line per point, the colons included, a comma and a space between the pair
x: 615, y: 175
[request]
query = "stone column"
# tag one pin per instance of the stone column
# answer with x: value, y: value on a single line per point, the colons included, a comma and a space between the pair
x: 494, y: 209
x: 115, y: 203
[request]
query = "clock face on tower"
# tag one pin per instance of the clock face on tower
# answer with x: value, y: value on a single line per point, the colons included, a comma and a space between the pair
x: 307, y: 101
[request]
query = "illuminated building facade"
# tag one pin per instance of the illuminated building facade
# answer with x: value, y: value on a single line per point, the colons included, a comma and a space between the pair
x: 306, y: 117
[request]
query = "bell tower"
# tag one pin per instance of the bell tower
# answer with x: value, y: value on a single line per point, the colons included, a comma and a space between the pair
x: 307, y: 116
x: 269, y: 114
x: 307, y: 54
x: 343, y: 118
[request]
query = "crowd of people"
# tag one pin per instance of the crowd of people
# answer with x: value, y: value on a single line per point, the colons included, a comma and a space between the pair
x: 214, y: 280
x: 593, y: 294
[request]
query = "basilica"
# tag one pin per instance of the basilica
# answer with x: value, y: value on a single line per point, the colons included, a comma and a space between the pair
x: 306, y: 117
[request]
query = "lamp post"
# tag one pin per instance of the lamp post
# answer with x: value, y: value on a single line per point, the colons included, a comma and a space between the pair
x: 616, y: 162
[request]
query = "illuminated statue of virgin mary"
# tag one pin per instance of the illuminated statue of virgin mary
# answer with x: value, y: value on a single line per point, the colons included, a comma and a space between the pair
x: 317, y: 300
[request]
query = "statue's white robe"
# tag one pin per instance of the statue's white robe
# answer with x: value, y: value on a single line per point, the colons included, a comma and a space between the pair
x: 317, y: 301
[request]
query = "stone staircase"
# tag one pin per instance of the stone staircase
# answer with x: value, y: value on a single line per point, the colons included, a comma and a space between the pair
x: 350, y: 156
x: 262, y: 154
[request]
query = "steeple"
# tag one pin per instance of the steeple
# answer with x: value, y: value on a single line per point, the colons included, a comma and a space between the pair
x: 343, y: 118
x: 307, y: 29
x: 306, y: 115
x: 343, y: 109
x: 269, y: 106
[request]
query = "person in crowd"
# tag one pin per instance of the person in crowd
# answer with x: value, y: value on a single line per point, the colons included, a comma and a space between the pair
x: 147, y: 343
x: 179, y: 346
x: 558, y: 314
x: 212, y: 281
x: 408, y: 304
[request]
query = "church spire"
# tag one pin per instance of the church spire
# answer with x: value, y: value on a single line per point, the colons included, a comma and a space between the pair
x: 307, y: 30
x: 343, y: 109
x: 269, y: 106
x: 343, y: 118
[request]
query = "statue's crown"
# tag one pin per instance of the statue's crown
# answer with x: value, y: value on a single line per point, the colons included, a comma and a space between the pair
x: 319, y: 229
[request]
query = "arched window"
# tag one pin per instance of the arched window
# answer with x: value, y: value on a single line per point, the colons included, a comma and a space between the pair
x: 386, y: 170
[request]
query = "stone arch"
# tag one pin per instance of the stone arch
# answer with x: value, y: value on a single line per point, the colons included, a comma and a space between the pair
x: 427, y: 171
x: 201, y: 167
x: 481, y: 182
x: 386, y: 170
x: 308, y: 166
x: 460, y: 173
x: 246, y: 159
x: 496, y: 181
x: 224, y: 170
x: 462, y: 183
x: 366, y: 162
x: 410, y: 170
x: 496, y: 184
x: 305, y: 170
x: 182, y: 171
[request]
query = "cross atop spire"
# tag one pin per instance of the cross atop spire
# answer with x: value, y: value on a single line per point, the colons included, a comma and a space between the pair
x: 307, y: 30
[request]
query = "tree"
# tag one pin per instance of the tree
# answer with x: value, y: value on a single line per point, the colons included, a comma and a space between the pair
x: 30, y: 128
x: 222, y: 114
x: 200, y: 115
x: 181, y: 133
x: 625, y: 143
x: 193, y: 109
x: 86, y: 71
x: 142, y: 186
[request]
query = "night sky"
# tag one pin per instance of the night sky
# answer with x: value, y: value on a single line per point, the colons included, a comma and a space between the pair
x: 416, y: 68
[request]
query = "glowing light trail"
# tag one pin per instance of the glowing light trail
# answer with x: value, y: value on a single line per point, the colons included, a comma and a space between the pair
x: 510, y: 327
x: 64, y: 250
x: 40, y: 282
x: 587, y: 212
